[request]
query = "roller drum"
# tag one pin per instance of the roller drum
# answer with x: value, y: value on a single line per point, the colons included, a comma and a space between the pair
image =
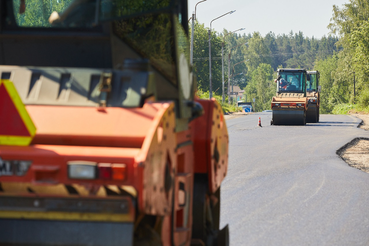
x: 289, y: 117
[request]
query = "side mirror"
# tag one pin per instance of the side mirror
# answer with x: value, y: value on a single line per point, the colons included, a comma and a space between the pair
x: 319, y: 88
x: 196, y: 110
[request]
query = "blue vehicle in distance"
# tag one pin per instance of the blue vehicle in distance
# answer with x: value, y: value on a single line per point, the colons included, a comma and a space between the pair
x: 246, y: 106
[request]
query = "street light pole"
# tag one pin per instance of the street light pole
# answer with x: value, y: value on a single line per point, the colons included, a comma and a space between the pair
x: 223, y: 59
x: 229, y: 68
x: 210, y: 81
x: 192, y: 31
x: 354, y: 88
x: 233, y: 70
x: 229, y: 78
x: 223, y: 72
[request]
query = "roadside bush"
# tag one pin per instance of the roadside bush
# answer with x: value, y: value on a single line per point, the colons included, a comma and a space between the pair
x: 364, y: 98
x: 225, y: 106
x: 230, y: 108
x: 342, y: 108
x: 350, y: 109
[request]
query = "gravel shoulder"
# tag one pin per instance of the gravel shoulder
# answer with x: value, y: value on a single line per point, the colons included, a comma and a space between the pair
x: 235, y: 115
x: 365, y: 119
x: 356, y: 153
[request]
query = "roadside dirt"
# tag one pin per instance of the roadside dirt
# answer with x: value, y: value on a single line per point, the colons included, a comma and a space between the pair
x: 365, y: 119
x: 235, y: 115
x: 356, y: 153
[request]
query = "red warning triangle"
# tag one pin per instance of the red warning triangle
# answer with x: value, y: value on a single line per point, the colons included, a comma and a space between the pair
x: 11, y: 123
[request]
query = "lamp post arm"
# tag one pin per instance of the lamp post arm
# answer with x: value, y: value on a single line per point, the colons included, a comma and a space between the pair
x: 192, y: 30
x: 198, y: 4
x: 232, y: 32
x: 234, y: 76
x: 240, y: 62
x: 210, y: 78
x: 236, y: 47
x: 230, y: 12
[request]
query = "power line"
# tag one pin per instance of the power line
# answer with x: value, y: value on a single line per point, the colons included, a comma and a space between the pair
x: 214, y: 58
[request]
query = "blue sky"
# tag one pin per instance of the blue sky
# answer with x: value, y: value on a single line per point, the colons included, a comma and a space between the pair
x: 281, y: 17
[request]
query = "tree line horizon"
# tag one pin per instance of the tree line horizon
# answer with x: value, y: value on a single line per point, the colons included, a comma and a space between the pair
x: 337, y: 56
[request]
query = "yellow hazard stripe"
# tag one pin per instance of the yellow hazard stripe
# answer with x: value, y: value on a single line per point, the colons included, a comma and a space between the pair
x: 15, y: 188
x: 66, y: 216
x: 15, y: 140
x: 20, y: 106
x: 17, y: 101
x: 130, y: 189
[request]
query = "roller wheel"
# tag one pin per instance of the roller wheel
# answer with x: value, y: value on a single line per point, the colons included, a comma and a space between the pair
x: 317, y: 118
x: 147, y: 231
x: 206, y: 215
x: 316, y: 115
x: 311, y: 116
x: 223, y: 237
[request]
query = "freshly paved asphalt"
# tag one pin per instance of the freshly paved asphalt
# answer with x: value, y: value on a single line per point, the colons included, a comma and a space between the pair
x: 287, y: 186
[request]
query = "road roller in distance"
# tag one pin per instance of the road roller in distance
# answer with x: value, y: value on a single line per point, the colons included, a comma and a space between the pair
x: 313, y: 95
x: 289, y: 106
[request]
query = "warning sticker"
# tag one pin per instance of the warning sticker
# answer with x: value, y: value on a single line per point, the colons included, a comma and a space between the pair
x: 16, y: 126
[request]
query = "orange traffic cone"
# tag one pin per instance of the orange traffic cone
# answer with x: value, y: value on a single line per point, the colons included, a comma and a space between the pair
x: 259, y: 122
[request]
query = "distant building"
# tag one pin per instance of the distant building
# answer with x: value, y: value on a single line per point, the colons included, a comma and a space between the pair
x: 237, y: 94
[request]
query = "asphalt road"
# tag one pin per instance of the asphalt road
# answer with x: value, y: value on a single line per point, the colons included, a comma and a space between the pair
x: 286, y: 185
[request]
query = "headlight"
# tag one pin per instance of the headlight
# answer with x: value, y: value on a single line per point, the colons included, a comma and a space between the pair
x: 82, y: 170
x: 94, y: 170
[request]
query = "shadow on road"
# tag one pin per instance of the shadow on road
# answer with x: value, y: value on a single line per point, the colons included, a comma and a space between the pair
x: 334, y: 123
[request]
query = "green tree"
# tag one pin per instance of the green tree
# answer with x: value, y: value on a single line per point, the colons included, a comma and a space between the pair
x: 261, y: 87
x: 271, y: 43
x: 351, y: 24
x: 359, y: 43
x: 201, y: 59
x: 256, y: 52
x: 327, y: 68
